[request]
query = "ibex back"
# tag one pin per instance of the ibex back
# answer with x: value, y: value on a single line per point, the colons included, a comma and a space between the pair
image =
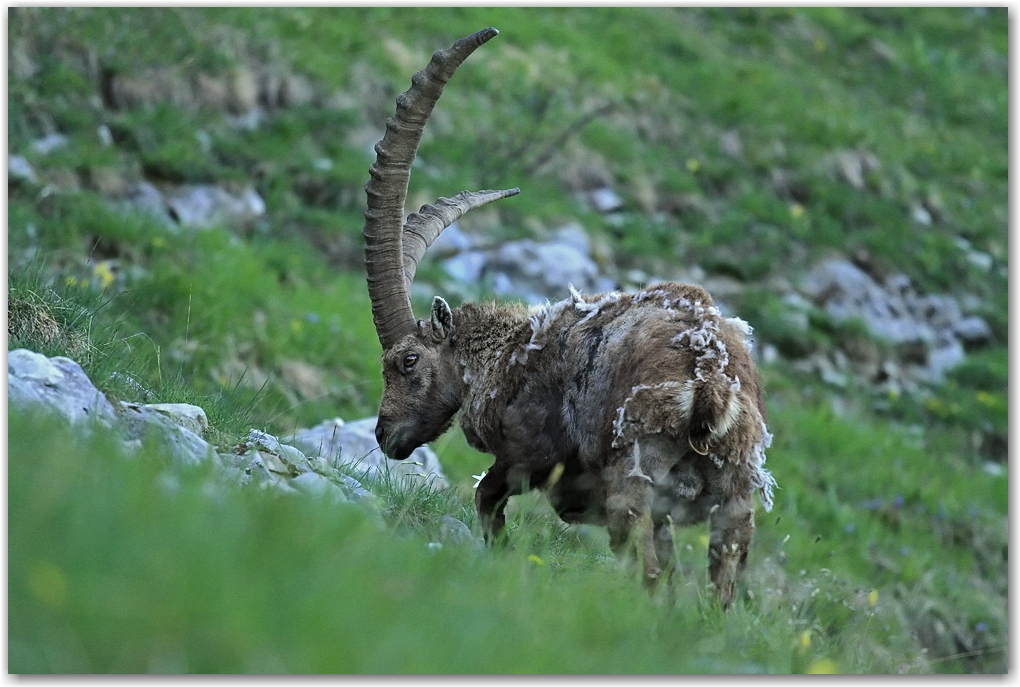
x: 635, y: 411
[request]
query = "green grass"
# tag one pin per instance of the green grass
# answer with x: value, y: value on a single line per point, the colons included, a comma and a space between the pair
x: 885, y: 507
x: 110, y: 572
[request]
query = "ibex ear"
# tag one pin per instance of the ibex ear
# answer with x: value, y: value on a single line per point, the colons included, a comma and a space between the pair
x: 442, y: 319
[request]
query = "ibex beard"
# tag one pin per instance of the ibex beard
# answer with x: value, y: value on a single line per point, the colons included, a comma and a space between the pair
x: 640, y: 412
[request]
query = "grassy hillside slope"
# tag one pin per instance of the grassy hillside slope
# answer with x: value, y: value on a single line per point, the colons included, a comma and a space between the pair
x: 728, y: 134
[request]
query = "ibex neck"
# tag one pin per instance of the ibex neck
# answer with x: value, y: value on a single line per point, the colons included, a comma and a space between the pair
x: 484, y: 332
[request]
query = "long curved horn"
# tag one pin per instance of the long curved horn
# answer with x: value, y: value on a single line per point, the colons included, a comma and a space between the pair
x: 389, y: 279
x: 425, y: 226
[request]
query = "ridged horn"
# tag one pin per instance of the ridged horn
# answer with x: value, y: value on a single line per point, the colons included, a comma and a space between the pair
x: 425, y: 226
x: 390, y: 270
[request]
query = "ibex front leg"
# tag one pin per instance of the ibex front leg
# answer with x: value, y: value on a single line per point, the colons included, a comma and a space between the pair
x: 490, y: 501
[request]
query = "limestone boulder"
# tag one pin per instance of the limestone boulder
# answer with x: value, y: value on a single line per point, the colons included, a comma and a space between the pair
x: 354, y: 444
x: 57, y: 384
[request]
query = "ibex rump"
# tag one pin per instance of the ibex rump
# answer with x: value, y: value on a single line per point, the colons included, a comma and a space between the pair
x: 636, y: 411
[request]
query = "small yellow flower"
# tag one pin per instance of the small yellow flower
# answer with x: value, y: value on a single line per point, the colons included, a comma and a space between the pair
x: 102, y: 270
x: 71, y: 280
x: 986, y: 399
x: 296, y: 326
x: 47, y: 583
x: 535, y: 559
x: 693, y: 165
x: 805, y: 638
x: 823, y: 666
x: 938, y: 407
x: 159, y: 242
x: 704, y: 540
x: 873, y: 597
x: 797, y: 210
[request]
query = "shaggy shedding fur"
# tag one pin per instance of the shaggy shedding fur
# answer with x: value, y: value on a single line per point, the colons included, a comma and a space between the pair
x: 647, y: 406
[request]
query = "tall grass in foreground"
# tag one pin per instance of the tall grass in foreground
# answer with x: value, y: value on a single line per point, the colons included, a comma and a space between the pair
x: 111, y: 569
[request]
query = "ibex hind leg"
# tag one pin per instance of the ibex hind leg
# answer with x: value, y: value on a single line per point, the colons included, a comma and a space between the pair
x: 664, y: 549
x: 630, y: 496
x: 732, y: 528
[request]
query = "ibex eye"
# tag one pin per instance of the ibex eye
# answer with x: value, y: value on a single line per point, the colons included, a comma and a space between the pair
x: 409, y: 360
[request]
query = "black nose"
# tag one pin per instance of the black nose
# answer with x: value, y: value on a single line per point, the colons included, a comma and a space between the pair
x: 379, y: 433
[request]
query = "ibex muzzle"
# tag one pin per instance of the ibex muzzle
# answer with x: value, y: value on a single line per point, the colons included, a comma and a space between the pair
x: 640, y: 412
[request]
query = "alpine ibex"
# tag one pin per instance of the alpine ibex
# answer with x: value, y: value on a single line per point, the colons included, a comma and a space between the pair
x: 635, y: 411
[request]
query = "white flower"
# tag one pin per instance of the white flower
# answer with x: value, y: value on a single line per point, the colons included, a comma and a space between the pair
x: 479, y: 478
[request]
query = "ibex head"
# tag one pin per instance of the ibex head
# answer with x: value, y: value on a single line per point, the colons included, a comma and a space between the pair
x: 422, y: 388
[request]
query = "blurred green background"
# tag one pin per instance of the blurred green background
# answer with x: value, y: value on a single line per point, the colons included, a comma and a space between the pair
x: 748, y: 144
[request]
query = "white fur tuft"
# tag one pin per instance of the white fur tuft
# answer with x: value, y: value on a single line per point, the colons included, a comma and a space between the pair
x: 732, y: 414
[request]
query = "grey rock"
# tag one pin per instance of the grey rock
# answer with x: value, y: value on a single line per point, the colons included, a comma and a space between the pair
x: 531, y: 270
x: 283, y: 458
x: 502, y: 284
x: 354, y: 443
x: 605, y: 200
x: 58, y: 384
x: 321, y: 440
x: 228, y: 473
x: 47, y: 144
x: 281, y: 486
x: 314, y: 484
x: 354, y: 488
x: 214, y: 490
x: 453, y: 532
x: 830, y: 373
x: 205, y: 205
x: 19, y: 168
x: 731, y: 145
x: 927, y: 331
x: 295, y: 90
x: 983, y: 261
x: 33, y: 367
x: 936, y: 310
x: 249, y: 121
x: 575, y: 236
x: 246, y: 468
x: 131, y: 447
x: 190, y: 417
x: 452, y: 241
x: 920, y: 215
x: 945, y: 356
x: 105, y: 135
x: 143, y: 422
x: 854, y: 165
x: 846, y: 291
x: 546, y: 269
x: 993, y: 469
x: 972, y: 330
x: 148, y: 199
x: 796, y: 315
x: 466, y: 267
x: 168, y: 483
